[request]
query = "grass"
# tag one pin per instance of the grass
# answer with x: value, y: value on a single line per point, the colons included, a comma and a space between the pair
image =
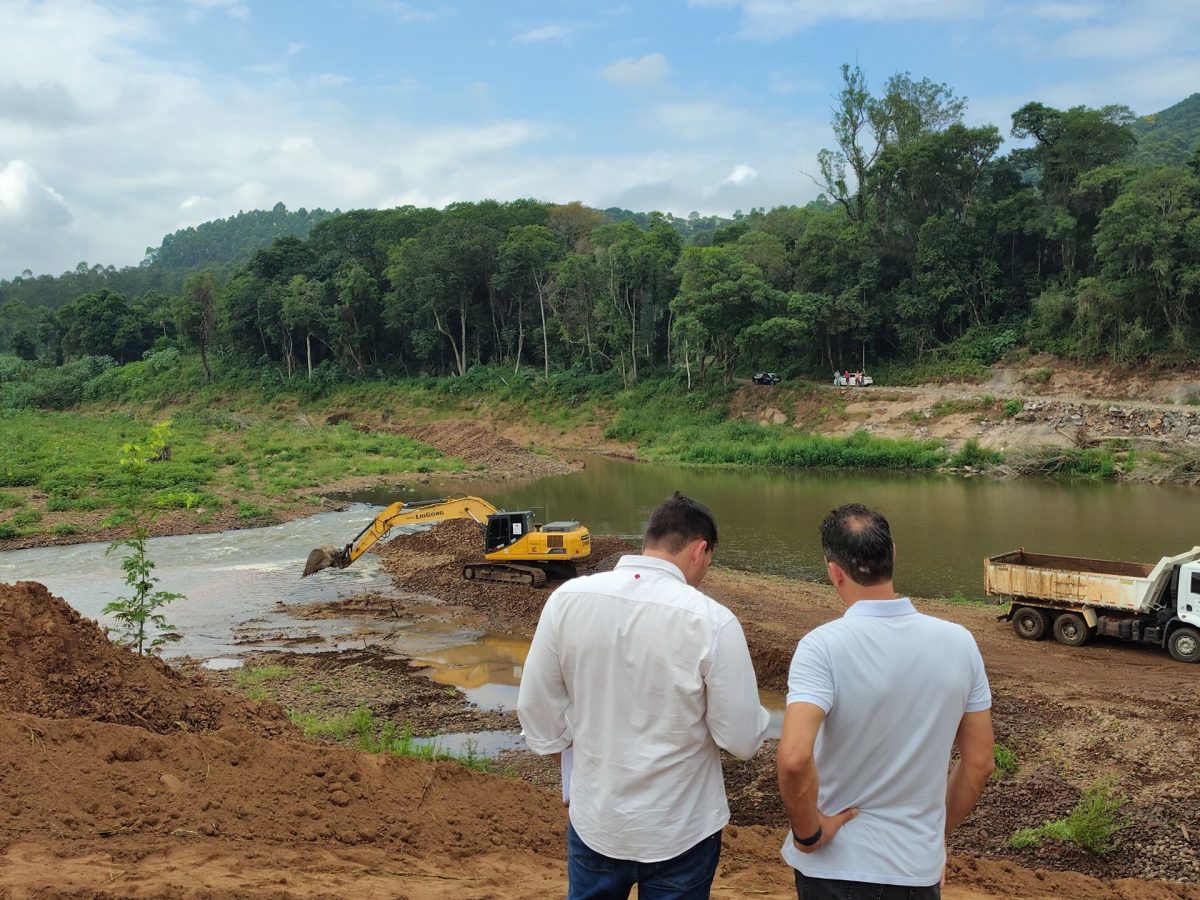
x: 361, y: 729
x: 254, y: 462
x: 1093, y: 462
x: 262, y: 674
x: 959, y: 598
x: 1093, y: 825
x: 1006, y: 761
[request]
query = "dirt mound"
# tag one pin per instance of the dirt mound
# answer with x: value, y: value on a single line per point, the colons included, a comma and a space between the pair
x: 57, y: 664
x: 430, y: 562
x: 241, y: 786
x: 478, y: 445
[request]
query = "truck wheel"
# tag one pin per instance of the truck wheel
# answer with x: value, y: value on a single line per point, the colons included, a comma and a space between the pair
x: 1071, y: 629
x: 1184, y: 644
x: 1030, y: 623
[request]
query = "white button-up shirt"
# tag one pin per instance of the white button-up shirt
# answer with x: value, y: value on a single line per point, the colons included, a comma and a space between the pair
x: 645, y: 677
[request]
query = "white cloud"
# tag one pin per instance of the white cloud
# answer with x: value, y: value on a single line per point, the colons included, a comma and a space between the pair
x: 545, y: 33
x: 773, y: 19
x: 700, y: 120
x: 296, y: 47
x: 741, y: 174
x: 34, y: 218
x: 645, y: 72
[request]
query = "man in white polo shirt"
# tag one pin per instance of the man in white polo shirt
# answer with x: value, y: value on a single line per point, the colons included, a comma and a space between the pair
x: 644, y: 678
x: 876, y: 701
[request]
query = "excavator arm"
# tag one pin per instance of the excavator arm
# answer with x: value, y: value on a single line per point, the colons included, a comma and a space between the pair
x: 398, y: 514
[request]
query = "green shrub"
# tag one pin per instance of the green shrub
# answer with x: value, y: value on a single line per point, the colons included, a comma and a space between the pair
x: 1037, y: 376
x: 26, y: 517
x: 1092, y: 825
x: 8, y: 501
x: 973, y: 455
x: 1013, y: 407
x: 8, y: 532
x: 65, y: 528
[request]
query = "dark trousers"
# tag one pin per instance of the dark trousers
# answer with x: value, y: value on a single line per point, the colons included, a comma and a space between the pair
x: 594, y: 876
x: 832, y: 889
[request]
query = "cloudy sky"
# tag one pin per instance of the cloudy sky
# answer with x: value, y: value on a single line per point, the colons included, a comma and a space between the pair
x: 123, y: 121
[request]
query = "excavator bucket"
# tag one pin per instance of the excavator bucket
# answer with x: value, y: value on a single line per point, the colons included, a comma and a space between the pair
x: 321, y: 558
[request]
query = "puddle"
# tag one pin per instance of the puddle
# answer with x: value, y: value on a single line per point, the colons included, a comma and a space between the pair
x: 479, y: 743
x: 220, y: 664
x: 488, y: 670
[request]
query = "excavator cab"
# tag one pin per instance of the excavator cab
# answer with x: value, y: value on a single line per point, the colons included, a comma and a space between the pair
x: 505, y: 528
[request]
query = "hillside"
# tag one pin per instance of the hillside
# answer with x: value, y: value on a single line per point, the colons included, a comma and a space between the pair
x: 220, y: 243
x: 1170, y: 137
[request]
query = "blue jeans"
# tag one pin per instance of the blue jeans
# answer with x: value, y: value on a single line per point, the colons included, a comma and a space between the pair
x: 832, y: 889
x: 594, y: 876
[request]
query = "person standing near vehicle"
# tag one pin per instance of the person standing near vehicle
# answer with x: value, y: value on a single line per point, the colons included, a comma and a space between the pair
x: 876, y: 701
x: 644, y: 678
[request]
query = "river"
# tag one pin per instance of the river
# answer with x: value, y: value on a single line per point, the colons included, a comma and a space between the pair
x: 237, y: 582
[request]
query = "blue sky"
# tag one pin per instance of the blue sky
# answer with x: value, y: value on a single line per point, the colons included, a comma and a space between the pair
x: 120, y: 122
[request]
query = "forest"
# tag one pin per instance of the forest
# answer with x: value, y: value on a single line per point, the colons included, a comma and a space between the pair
x: 926, y: 246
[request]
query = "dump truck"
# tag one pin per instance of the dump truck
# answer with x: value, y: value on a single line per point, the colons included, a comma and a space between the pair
x: 515, y: 549
x: 1075, y: 599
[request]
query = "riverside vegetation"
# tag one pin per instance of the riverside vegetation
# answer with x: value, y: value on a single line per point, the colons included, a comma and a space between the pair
x: 251, y: 450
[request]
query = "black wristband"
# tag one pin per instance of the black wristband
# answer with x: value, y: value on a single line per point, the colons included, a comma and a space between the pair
x: 808, y: 841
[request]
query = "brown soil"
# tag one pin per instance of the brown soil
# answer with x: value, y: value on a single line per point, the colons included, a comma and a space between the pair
x: 1061, y: 405
x: 483, y: 447
x: 56, y: 664
x: 430, y: 562
x: 236, y: 806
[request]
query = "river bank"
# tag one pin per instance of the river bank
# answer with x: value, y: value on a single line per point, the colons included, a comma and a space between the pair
x: 262, y: 462
x: 187, y: 794
x: 259, y: 462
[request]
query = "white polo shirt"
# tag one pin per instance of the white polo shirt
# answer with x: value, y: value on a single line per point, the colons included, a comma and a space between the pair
x: 645, y: 677
x: 894, y: 684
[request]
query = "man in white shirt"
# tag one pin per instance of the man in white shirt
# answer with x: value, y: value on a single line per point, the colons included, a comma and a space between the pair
x: 876, y: 700
x: 644, y: 678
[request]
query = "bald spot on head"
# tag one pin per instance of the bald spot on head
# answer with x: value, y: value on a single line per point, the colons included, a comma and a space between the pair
x: 859, y: 540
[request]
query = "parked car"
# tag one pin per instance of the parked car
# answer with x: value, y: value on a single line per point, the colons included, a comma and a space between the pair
x: 766, y: 378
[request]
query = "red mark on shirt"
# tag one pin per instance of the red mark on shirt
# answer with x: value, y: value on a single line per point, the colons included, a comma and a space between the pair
x: 637, y: 575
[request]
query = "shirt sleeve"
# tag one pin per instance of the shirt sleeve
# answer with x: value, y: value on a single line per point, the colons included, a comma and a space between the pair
x: 736, y: 719
x: 542, y: 701
x: 810, y: 678
x: 980, y: 696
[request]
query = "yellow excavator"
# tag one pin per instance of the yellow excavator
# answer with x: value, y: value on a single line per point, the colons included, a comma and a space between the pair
x: 515, y: 549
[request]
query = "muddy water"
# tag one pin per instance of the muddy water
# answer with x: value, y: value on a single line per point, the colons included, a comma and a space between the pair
x: 235, y: 584
x: 944, y: 525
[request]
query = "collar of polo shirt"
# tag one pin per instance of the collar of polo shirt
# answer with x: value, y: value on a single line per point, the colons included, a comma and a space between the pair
x: 637, y: 561
x: 901, y: 606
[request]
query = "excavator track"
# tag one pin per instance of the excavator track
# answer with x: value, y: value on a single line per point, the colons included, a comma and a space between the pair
x: 505, y: 572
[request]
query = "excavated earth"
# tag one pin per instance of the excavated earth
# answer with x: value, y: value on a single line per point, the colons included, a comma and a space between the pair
x: 124, y: 777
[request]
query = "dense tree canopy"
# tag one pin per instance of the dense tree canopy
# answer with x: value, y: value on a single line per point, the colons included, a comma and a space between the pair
x: 926, y: 240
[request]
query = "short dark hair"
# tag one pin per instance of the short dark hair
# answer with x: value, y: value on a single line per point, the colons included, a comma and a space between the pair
x: 678, y: 521
x: 860, y: 541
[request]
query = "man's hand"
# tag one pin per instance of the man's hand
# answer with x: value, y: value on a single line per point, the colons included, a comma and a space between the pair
x: 830, y: 826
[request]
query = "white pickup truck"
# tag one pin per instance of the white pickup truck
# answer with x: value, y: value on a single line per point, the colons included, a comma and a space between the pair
x: 1076, y: 598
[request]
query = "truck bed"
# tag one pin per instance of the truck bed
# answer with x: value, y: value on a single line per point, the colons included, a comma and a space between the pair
x: 1078, y: 581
